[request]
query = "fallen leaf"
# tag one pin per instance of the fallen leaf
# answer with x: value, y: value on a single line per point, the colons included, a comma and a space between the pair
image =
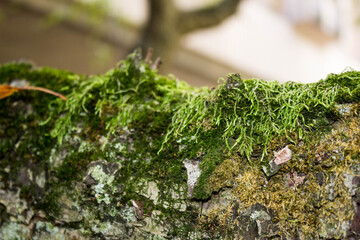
x: 282, y: 156
x: 7, y: 90
x: 295, y: 179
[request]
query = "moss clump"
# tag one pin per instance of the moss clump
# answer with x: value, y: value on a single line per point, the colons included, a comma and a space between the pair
x: 348, y: 84
x: 246, y: 116
x: 130, y: 95
x: 318, y: 206
x: 253, y: 112
x: 25, y: 142
x: 224, y: 175
x: 147, y: 124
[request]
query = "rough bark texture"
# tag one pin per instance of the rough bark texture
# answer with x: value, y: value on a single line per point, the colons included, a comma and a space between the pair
x: 135, y: 155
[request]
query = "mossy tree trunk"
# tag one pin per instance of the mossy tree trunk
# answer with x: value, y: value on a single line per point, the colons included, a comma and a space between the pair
x: 135, y: 155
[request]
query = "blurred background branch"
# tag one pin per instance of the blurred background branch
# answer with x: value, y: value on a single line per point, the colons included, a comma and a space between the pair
x: 198, y: 41
x: 206, y: 17
x: 167, y: 24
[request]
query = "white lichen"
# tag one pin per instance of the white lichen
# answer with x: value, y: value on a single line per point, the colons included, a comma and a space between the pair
x: 40, y: 179
x: 193, y: 173
x: 14, y: 230
x: 260, y: 215
x: 149, y: 190
x: 104, y: 184
x: 15, y: 206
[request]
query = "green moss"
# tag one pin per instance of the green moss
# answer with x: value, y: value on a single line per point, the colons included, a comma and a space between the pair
x: 74, y: 164
x: 214, y: 155
x: 25, y: 142
x: 253, y: 111
x: 56, y: 80
x: 224, y: 175
x: 148, y: 124
x: 309, y: 206
x: 132, y: 94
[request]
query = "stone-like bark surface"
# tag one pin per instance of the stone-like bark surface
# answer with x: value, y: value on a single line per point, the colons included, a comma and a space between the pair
x: 135, y: 155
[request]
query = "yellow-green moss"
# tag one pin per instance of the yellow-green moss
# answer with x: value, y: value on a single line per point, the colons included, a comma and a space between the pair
x: 224, y: 174
x: 149, y: 124
x: 301, y: 207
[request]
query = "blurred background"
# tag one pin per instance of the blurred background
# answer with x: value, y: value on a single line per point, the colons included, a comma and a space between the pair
x: 199, y: 41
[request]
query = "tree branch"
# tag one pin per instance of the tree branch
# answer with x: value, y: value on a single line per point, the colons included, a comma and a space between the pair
x: 206, y: 17
x: 160, y: 32
x: 161, y: 21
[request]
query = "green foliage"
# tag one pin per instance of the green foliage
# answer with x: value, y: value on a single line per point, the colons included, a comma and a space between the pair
x: 152, y: 123
x: 213, y: 157
x: 23, y: 112
x: 348, y: 83
x: 25, y: 142
x: 56, y: 80
x: 252, y: 111
x: 129, y: 94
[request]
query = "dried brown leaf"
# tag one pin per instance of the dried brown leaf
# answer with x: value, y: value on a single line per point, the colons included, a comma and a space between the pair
x: 282, y: 156
x: 7, y: 90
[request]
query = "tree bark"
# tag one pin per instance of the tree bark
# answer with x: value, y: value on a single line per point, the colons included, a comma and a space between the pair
x: 206, y: 17
x: 136, y: 155
x: 160, y: 31
x: 167, y: 24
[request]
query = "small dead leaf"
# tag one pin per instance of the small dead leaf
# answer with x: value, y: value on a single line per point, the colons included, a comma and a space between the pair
x: 295, y: 179
x: 7, y: 90
x: 282, y: 156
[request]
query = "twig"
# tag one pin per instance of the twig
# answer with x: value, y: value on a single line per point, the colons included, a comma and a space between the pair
x: 43, y: 90
x: 149, y: 55
x: 157, y: 63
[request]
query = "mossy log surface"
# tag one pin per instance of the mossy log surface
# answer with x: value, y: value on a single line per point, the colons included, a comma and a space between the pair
x: 135, y: 155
